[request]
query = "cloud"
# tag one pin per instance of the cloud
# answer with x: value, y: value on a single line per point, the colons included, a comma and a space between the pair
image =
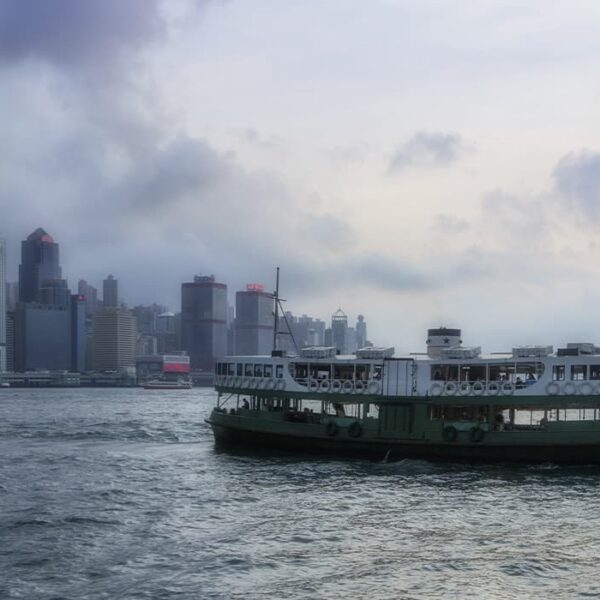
x: 73, y: 33
x: 577, y: 179
x: 424, y: 149
x: 450, y: 224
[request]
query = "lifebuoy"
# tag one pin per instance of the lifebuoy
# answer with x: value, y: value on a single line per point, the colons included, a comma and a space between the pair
x: 348, y: 386
x: 586, y: 388
x: 553, y: 389
x: 464, y: 389
x: 280, y: 384
x: 449, y: 433
x: 373, y: 387
x: 260, y: 384
x: 359, y: 387
x: 331, y: 429
x: 493, y: 388
x: 355, y: 429
x: 336, y: 385
x: 325, y: 385
x: 478, y: 388
x: 436, y: 389
x: 507, y: 389
x: 313, y: 385
x: 476, y: 434
x: 450, y: 389
x: 270, y: 384
x: 569, y: 389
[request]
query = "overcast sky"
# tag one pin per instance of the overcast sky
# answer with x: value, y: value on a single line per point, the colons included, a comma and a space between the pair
x: 422, y: 163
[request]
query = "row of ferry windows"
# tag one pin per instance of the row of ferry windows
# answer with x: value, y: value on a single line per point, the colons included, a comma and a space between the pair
x: 249, y: 370
x: 578, y: 372
x: 515, y: 372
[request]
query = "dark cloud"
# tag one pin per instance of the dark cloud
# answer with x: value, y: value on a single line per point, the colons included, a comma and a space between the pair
x: 427, y: 149
x: 76, y: 32
x: 577, y: 178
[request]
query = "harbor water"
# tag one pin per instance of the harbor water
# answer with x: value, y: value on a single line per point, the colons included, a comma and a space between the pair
x: 120, y: 493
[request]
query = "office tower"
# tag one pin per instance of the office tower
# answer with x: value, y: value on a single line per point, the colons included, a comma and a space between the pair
x: 114, y: 339
x: 10, y: 341
x: 361, y: 332
x: 78, y: 333
x: 253, y: 321
x: 2, y: 305
x: 110, y: 294
x: 42, y: 337
x: 54, y: 292
x: 339, y: 331
x: 12, y: 295
x: 166, y: 333
x: 204, y: 321
x: 90, y: 293
x: 39, y: 262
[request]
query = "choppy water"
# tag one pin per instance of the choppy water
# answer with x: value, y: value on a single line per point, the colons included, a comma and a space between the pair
x: 120, y: 494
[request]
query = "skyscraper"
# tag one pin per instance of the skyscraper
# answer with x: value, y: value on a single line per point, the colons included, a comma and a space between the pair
x: 113, y: 339
x: 3, y: 316
x: 110, y: 294
x: 90, y: 293
x: 253, y: 321
x: 361, y: 332
x: 339, y: 331
x: 204, y: 321
x: 39, y: 263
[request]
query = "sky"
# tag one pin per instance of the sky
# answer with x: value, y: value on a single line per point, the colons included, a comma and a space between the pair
x: 423, y: 163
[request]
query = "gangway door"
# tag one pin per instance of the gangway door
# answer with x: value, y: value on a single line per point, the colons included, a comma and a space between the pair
x: 398, y: 376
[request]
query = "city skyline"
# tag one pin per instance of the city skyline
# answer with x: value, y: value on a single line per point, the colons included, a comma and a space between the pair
x: 445, y: 177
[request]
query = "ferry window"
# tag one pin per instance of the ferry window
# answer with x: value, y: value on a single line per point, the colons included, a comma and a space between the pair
x: 476, y: 373
x: 268, y: 371
x: 362, y: 372
x: 279, y: 371
x: 240, y: 369
x: 248, y: 370
x: 230, y: 369
x: 594, y: 371
x: 377, y: 372
x: 558, y: 373
x: 578, y: 372
x: 527, y: 373
x: 257, y: 370
x: 436, y: 373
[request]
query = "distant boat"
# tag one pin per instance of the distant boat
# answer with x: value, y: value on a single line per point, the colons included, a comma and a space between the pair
x: 161, y: 384
x: 4, y: 384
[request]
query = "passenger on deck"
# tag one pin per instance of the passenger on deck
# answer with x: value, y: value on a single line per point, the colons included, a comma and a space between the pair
x: 245, y: 404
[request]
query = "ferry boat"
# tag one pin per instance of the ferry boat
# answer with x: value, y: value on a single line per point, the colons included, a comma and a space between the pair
x: 162, y: 384
x: 532, y: 404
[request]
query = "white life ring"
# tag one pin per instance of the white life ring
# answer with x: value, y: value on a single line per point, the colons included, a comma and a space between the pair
x: 336, y: 386
x: 373, y: 387
x: 436, y: 389
x: 478, y: 388
x: 493, y: 388
x: 280, y: 384
x: 507, y: 388
x: 229, y: 381
x: 586, y: 389
x: 325, y: 385
x: 464, y: 389
x: 359, y: 387
x: 569, y: 389
x: 270, y: 384
x: 260, y: 384
x: 450, y: 388
x: 553, y: 389
x: 348, y: 386
x: 313, y: 385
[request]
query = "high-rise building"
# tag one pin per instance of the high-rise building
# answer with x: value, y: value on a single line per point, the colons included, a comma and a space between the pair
x: 90, y: 293
x: 253, y: 321
x: 339, y: 331
x: 42, y: 337
x: 298, y: 332
x: 110, y: 293
x: 39, y: 262
x: 114, y: 338
x: 12, y: 295
x: 78, y: 333
x: 10, y: 341
x: 2, y: 305
x: 361, y: 332
x: 204, y: 321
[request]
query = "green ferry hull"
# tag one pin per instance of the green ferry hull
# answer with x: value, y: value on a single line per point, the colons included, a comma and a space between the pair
x: 231, y: 431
